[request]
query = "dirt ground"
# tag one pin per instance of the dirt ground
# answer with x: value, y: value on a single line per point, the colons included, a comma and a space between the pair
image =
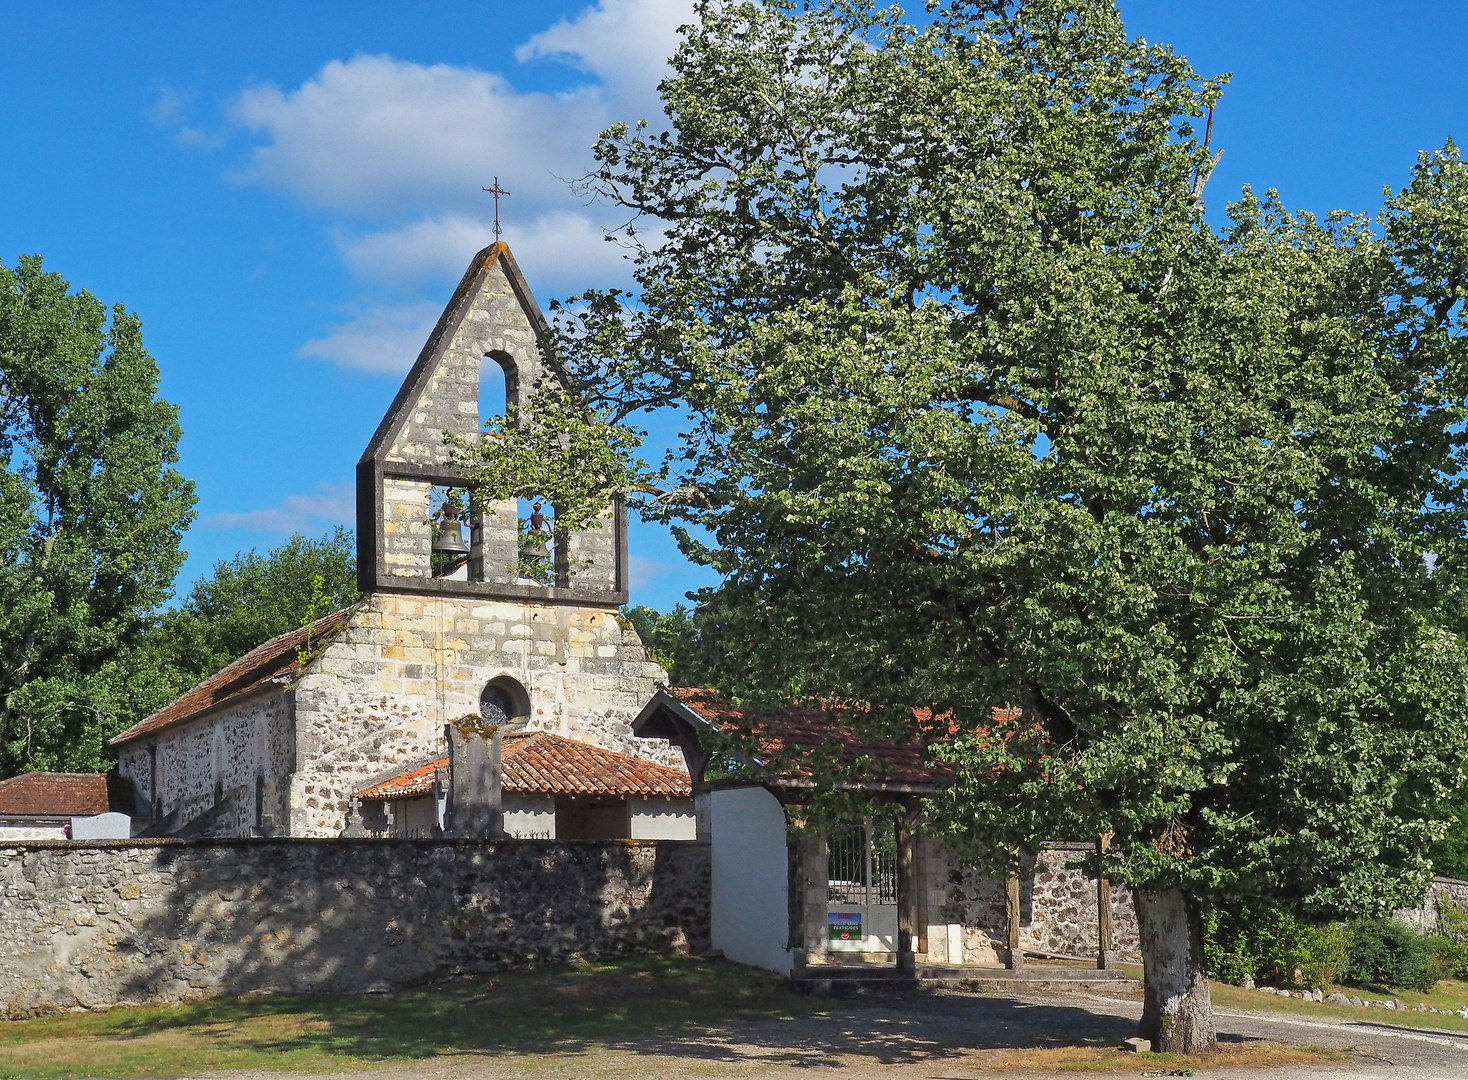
x: 952, y: 1036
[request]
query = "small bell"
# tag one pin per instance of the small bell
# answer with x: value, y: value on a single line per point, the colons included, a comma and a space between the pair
x: 533, y: 546
x: 450, y: 538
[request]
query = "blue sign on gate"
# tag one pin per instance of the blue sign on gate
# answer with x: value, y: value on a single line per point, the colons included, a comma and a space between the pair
x: 844, y: 926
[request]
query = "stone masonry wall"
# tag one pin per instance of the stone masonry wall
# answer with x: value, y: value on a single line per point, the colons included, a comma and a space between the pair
x: 217, y: 758
x: 1057, y: 910
x: 1441, y: 893
x: 379, y: 695
x: 163, y: 921
x: 498, y: 327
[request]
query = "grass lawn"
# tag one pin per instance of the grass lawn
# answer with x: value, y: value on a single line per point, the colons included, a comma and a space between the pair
x: 1448, y: 994
x: 559, y: 1008
x: 584, y: 1020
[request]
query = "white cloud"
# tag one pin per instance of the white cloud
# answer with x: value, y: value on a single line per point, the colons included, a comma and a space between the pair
x: 329, y: 504
x: 623, y: 42
x: 374, y: 135
x: 643, y: 573
x: 401, y: 151
x: 561, y: 246
x: 428, y: 247
x: 172, y: 108
x: 384, y: 339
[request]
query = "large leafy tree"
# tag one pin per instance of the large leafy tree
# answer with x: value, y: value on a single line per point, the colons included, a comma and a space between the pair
x: 91, y: 515
x: 245, y: 601
x: 985, y: 411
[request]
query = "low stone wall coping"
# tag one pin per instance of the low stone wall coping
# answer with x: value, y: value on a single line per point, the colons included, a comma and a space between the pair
x: 261, y: 841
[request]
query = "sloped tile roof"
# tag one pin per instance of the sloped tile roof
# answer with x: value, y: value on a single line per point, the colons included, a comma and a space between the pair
x: 53, y: 794
x: 795, y: 737
x: 545, y: 762
x: 539, y: 762
x: 269, y: 661
x: 409, y: 784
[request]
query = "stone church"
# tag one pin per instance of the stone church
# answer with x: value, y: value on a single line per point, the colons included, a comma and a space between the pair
x: 288, y: 739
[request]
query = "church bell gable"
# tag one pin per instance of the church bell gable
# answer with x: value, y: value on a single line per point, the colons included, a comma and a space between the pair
x: 492, y: 317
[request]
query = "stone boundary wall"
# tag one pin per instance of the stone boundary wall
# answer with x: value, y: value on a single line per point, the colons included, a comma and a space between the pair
x: 1058, y: 912
x: 1443, y: 892
x: 134, y: 922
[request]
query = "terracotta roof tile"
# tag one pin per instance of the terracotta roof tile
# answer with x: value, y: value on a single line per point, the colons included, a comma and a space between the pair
x: 52, y: 794
x: 807, y: 733
x: 537, y: 761
x: 261, y: 664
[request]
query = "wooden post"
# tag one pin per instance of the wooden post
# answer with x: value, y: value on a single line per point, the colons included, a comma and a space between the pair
x: 904, y: 820
x: 1106, y: 948
x: 1012, y: 919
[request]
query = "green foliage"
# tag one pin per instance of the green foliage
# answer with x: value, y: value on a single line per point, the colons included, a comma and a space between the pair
x: 1272, y: 947
x: 984, y: 411
x: 988, y: 414
x: 1450, y: 854
x: 1388, y: 952
x: 246, y: 601
x: 673, y: 638
x: 1451, y: 942
x: 92, y: 512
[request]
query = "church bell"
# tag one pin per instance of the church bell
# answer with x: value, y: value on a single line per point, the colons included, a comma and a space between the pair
x: 450, y: 538
x: 533, y: 546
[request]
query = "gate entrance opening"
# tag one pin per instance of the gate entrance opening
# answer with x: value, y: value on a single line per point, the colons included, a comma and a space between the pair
x: 862, y: 888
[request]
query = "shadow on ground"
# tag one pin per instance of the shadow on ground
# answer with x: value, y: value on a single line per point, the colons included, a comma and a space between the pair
x: 711, y: 1012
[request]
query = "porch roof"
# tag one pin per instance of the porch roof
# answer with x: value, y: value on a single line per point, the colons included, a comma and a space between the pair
x: 542, y: 763
x: 799, y: 735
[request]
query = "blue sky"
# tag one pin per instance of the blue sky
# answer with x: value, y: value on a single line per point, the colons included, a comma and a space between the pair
x: 286, y: 193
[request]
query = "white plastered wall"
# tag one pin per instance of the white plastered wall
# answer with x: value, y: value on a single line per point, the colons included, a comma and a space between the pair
x: 530, y: 817
x: 662, y: 819
x: 750, y: 878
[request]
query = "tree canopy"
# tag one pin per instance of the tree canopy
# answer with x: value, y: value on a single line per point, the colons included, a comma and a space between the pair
x: 91, y: 516
x: 247, y: 600
x: 985, y: 411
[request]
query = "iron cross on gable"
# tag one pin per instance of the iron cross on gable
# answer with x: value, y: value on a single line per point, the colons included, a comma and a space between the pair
x: 496, y: 191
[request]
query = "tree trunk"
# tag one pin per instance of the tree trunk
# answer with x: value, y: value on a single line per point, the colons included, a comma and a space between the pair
x: 1177, y: 1014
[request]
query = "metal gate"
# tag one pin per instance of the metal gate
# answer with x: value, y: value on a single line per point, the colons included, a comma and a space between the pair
x: 861, y: 874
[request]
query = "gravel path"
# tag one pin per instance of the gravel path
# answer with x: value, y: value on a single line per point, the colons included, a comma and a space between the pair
x: 948, y: 1036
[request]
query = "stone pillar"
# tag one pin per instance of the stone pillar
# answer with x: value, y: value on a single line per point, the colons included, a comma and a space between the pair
x: 905, y: 820
x: 808, y: 890
x: 1105, y: 943
x: 1012, y: 921
x: 944, y: 938
x: 474, y: 808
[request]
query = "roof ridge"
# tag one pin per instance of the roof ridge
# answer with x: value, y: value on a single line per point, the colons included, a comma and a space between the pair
x: 217, y: 687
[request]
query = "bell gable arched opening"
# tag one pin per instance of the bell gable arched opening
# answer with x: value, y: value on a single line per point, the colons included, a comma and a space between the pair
x: 498, y: 386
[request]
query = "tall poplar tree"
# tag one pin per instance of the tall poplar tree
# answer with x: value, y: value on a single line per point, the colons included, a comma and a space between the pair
x: 985, y: 412
x: 92, y: 512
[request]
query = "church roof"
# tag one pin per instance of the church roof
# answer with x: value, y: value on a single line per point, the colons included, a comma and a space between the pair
x: 263, y: 664
x: 59, y: 794
x: 539, y: 762
x: 796, y: 738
